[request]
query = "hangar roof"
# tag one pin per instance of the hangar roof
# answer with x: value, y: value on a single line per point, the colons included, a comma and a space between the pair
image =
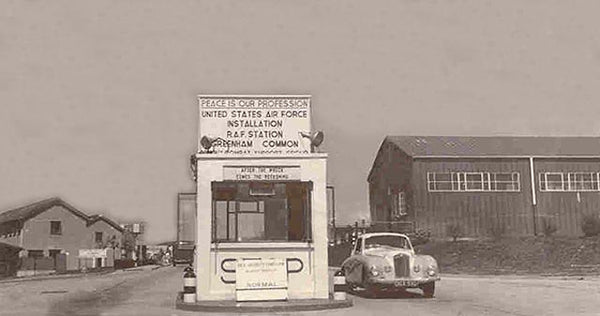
x: 496, y: 146
x: 489, y: 147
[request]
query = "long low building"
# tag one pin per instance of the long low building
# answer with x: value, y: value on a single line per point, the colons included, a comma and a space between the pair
x: 51, y: 236
x: 485, y: 185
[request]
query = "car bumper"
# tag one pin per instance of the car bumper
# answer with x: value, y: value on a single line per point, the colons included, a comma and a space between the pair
x: 403, y: 283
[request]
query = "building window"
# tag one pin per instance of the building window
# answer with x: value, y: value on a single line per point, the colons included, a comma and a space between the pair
x: 55, y: 228
x: 473, y: 181
x: 274, y: 211
x: 53, y: 253
x: 583, y: 181
x: 98, y: 237
x: 399, y: 205
x: 569, y: 181
x: 506, y: 182
x: 35, y: 253
x: 437, y: 181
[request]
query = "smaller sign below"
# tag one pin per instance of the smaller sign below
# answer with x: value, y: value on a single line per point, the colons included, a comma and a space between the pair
x: 261, y: 280
x: 261, y: 173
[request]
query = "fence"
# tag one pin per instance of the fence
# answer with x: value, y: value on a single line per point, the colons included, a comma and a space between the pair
x: 42, y: 265
x: 405, y: 227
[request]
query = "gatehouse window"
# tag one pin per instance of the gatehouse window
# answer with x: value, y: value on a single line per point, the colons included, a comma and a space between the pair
x: 261, y: 211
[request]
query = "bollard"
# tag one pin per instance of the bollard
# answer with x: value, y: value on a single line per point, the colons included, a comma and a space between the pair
x: 189, y: 285
x: 339, y: 286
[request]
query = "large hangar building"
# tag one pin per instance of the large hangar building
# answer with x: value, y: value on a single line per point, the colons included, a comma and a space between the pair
x: 518, y: 184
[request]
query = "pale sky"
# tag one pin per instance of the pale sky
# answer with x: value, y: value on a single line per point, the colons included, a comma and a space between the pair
x: 98, y: 98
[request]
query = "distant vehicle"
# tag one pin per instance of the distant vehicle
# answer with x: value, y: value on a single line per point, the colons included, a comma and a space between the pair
x: 183, y: 252
x: 387, y: 261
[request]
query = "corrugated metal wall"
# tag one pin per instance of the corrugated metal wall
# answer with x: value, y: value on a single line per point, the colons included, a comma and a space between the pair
x: 391, y: 174
x: 474, y: 212
x: 566, y: 209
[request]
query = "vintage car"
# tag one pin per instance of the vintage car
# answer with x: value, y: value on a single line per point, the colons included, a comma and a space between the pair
x: 387, y: 261
x: 183, y: 252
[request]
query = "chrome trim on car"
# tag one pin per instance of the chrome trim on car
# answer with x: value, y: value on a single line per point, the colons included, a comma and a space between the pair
x: 401, y: 265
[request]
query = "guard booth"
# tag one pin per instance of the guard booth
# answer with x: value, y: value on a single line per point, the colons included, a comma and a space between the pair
x: 261, y: 200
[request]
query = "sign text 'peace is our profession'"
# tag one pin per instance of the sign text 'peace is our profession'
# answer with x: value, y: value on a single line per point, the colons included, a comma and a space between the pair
x: 256, y: 125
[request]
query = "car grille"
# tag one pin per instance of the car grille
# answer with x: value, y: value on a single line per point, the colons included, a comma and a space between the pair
x: 401, y: 266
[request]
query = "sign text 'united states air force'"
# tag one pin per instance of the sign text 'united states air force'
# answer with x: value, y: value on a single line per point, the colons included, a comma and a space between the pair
x: 255, y: 124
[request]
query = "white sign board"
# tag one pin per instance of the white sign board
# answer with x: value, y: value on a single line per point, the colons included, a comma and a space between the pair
x: 255, y: 125
x: 92, y: 253
x: 261, y: 173
x: 261, y: 280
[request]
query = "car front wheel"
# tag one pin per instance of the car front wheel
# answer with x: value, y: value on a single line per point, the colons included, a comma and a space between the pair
x: 370, y: 289
x: 428, y: 289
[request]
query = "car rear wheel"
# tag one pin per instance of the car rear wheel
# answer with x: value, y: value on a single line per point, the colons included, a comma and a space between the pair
x: 428, y: 289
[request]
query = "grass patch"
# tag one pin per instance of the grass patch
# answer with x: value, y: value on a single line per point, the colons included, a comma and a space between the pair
x: 527, y: 255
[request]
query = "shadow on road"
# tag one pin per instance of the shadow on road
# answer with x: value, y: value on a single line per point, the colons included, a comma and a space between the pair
x: 153, y: 288
x: 92, y: 303
x: 397, y: 294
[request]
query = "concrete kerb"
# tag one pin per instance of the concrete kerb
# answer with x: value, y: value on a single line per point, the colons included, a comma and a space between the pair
x: 54, y: 276
x: 232, y: 306
x: 76, y: 275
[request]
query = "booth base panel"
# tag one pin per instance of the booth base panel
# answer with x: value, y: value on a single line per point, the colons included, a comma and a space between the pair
x: 231, y: 296
x: 292, y: 305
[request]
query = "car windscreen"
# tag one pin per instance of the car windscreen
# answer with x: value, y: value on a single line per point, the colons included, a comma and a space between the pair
x: 386, y: 241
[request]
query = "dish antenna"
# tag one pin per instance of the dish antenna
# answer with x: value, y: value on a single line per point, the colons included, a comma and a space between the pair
x: 207, y: 142
x: 316, y: 138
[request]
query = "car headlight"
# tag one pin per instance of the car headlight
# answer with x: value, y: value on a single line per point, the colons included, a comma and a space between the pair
x: 432, y: 270
x: 417, y: 268
x: 374, y: 271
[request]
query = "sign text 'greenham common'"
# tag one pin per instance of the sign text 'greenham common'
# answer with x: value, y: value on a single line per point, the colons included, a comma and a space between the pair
x: 256, y: 125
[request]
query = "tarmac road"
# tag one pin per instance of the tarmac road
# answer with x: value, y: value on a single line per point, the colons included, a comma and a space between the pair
x: 152, y: 292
